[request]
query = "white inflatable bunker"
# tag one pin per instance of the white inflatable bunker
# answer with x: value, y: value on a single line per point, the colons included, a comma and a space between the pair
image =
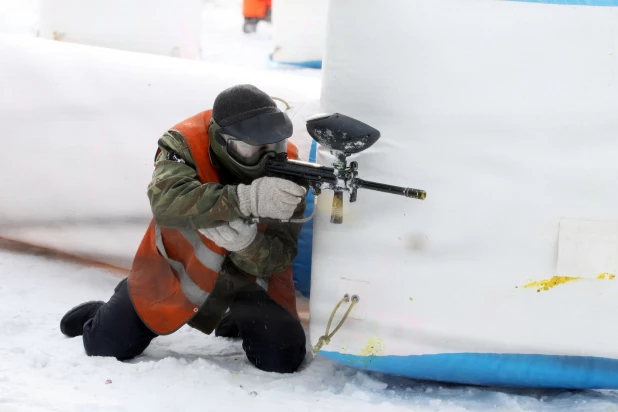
x: 81, y: 126
x: 506, y: 114
x: 168, y: 27
x: 299, y: 30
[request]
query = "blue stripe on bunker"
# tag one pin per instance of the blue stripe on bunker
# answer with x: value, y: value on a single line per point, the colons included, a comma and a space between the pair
x: 493, y: 369
x: 607, y: 3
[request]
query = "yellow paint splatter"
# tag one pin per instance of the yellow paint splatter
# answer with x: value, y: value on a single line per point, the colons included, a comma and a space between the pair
x: 411, y: 299
x: 374, y: 347
x: 550, y: 283
x: 560, y: 280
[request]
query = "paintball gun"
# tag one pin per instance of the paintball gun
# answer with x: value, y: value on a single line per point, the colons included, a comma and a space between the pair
x: 343, y: 136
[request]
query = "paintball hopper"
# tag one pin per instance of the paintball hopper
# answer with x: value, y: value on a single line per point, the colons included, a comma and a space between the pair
x: 341, y: 134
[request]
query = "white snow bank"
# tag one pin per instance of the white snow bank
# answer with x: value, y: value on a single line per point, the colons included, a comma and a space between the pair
x: 80, y: 131
x: 42, y: 371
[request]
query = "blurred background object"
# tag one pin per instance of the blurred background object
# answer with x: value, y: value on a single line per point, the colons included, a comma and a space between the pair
x: 279, y: 34
x: 166, y: 27
x: 299, y: 32
x: 255, y: 11
x: 19, y: 17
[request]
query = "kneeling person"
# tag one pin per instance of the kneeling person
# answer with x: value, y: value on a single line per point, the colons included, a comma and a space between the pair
x: 201, y: 261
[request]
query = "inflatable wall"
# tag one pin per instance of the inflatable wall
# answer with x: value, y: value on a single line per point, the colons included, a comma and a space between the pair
x: 299, y: 30
x: 81, y: 126
x: 19, y: 17
x: 505, y: 113
x: 171, y: 28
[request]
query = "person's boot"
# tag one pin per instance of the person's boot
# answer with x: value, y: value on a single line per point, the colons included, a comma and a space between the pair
x: 227, y: 328
x: 72, y: 324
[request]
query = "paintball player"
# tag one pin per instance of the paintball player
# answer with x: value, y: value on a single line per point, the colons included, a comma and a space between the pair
x: 254, y: 11
x: 202, y: 261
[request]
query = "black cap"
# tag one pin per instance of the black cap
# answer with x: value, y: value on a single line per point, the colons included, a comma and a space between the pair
x: 248, y: 114
x: 241, y: 102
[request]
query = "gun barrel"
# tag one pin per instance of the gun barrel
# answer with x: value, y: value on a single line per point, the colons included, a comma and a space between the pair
x: 396, y: 190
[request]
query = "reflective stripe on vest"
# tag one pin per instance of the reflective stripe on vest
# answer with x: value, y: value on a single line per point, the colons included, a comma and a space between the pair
x: 207, y: 257
x: 192, y: 291
x: 263, y: 283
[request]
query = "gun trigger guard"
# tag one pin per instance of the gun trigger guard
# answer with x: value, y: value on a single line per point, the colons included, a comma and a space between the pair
x: 304, y: 219
x: 269, y: 220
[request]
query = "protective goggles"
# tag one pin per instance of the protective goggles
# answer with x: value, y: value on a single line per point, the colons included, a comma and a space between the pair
x: 248, y: 154
x: 249, y: 140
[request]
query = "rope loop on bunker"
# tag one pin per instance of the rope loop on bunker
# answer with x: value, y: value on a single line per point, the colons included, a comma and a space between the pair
x: 325, y: 339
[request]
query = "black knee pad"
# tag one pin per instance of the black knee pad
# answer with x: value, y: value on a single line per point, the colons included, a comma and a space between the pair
x: 284, y: 359
x: 122, y: 283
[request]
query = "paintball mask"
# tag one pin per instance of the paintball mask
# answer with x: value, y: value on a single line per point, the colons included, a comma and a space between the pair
x: 244, y: 147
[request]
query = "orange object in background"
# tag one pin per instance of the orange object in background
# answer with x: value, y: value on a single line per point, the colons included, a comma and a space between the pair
x: 254, y: 11
x: 256, y: 8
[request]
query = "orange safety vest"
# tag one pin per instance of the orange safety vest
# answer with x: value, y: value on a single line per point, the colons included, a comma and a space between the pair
x: 175, y: 271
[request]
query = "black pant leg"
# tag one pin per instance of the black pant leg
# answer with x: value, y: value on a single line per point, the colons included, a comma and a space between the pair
x: 116, y: 330
x: 273, y: 339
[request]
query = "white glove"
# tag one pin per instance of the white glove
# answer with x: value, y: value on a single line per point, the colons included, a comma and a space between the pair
x: 233, y: 236
x: 270, y: 197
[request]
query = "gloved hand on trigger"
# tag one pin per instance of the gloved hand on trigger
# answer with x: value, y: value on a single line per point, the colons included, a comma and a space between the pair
x: 233, y: 236
x: 270, y: 197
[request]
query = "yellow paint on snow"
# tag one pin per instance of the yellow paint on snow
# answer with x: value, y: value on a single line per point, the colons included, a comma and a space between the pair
x: 411, y: 299
x: 560, y: 280
x: 374, y: 347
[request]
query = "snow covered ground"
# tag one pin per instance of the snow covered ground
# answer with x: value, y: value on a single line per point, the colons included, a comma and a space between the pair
x: 41, y: 370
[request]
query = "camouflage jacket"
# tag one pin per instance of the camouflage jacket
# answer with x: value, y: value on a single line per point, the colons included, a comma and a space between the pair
x: 178, y: 200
